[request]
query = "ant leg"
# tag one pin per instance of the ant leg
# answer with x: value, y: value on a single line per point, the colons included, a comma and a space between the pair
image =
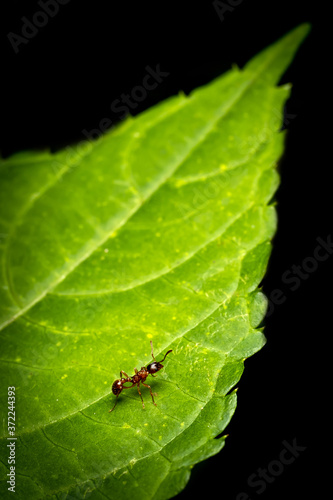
x: 124, y: 373
x: 114, y: 405
x: 143, y: 405
x: 151, y: 392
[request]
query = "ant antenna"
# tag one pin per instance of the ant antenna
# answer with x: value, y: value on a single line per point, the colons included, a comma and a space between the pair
x: 165, y: 356
x: 152, y: 354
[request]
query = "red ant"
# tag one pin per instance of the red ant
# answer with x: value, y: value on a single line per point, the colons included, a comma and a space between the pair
x: 140, y: 376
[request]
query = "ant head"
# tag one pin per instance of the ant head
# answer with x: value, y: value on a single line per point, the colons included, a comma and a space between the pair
x: 154, y: 367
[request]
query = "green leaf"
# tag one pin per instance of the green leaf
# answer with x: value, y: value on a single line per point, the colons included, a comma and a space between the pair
x: 159, y: 230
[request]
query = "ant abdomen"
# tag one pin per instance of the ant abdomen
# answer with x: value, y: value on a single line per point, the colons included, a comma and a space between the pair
x: 117, y: 387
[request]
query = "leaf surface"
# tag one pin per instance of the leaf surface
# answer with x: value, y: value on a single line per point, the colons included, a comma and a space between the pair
x: 159, y: 230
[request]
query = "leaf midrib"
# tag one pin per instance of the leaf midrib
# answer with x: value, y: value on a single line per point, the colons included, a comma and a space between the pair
x: 171, y: 171
x: 164, y: 272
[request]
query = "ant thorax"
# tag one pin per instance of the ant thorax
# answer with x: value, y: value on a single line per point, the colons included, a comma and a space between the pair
x: 140, y: 375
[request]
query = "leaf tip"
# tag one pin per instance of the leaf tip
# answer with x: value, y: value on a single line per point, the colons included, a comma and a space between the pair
x: 273, y: 61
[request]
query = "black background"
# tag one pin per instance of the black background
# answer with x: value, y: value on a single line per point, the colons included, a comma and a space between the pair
x: 65, y: 79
